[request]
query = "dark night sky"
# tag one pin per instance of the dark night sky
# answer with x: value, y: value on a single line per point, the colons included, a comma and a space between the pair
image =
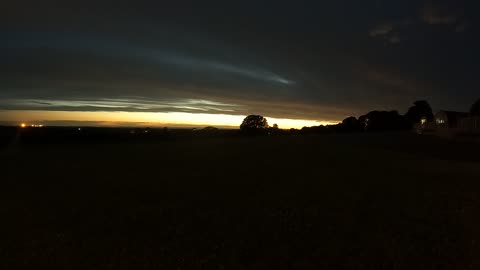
x: 322, y: 60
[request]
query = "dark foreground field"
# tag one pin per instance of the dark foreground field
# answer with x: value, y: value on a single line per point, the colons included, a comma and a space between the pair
x: 299, y: 202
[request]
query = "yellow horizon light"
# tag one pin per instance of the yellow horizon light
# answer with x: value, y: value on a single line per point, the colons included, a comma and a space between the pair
x: 155, y: 118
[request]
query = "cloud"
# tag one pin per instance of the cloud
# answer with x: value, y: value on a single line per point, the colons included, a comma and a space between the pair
x: 447, y: 13
x: 73, y: 72
x: 99, y: 48
x: 439, y: 15
x: 381, y: 30
x: 387, y: 37
x: 385, y: 32
x: 120, y: 104
x: 444, y: 13
x: 394, y: 82
x: 390, y: 31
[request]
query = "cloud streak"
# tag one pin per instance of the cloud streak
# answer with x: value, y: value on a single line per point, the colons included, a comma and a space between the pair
x: 390, y: 31
x: 124, y: 105
x: 163, y: 57
x: 381, y: 29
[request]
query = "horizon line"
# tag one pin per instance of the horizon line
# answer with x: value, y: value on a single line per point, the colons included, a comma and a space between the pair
x: 135, y: 119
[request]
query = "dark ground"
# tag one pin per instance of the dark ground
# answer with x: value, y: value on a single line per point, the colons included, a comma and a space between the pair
x: 377, y: 201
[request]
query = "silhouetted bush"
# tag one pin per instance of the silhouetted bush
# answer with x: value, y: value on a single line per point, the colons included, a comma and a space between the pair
x: 273, y: 131
x: 207, y: 132
x: 317, y: 130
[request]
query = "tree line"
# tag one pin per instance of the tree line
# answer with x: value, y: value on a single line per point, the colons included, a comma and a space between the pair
x: 372, y: 121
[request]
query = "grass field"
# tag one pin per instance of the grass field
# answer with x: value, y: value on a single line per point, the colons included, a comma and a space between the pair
x: 372, y: 201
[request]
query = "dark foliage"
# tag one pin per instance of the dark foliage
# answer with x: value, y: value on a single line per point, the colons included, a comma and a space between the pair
x: 350, y: 124
x: 383, y: 120
x: 317, y: 130
x: 421, y: 109
x: 254, y: 124
x: 475, y: 109
x: 380, y: 120
x: 294, y: 131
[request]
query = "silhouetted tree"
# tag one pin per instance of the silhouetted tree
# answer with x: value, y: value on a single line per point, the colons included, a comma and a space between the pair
x: 254, y: 124
x: 420, y: 110
x: 383, y: 120
x: 350, y: 124
x: 275, y: 126
x: 475, y: 109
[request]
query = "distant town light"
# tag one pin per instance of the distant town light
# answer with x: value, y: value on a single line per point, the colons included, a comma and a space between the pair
x: 23, y: 125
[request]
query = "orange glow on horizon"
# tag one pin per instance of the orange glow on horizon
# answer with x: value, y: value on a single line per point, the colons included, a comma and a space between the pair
x: 150, y: 119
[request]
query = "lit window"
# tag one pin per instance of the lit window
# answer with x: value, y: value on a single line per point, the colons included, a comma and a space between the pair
x: 423, y: 121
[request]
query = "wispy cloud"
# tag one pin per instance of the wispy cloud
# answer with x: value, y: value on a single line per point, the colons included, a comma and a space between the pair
x: 124, y: 105
x: 389, y: 31
x: 446, y: 13
x: 440, y: 14
x: 160, y: 57
x: 381, y: 29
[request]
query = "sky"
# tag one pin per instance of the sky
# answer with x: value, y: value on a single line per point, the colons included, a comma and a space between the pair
x: 298, y: 63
